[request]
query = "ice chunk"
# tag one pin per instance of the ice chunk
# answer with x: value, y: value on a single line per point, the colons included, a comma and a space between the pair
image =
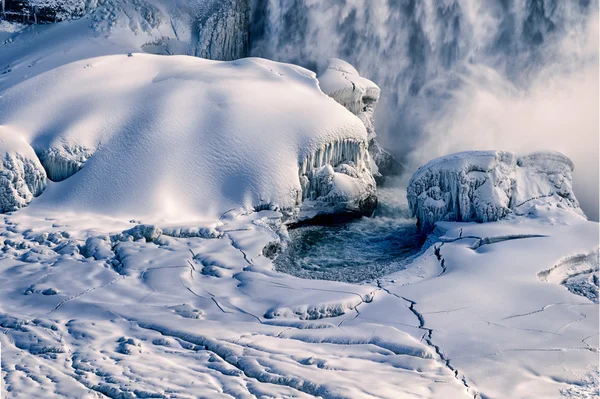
x: 484, y: 186
x: 22, y: 177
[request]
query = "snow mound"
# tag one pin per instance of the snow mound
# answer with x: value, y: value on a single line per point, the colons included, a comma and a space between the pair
x: 485, y: 186
x: 178, y: 136
x: 22, y: 176
x: 342, y: 82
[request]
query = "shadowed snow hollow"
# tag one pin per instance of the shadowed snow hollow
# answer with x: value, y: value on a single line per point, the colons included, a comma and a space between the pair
x: 174, y: 136
x: 484, y: 186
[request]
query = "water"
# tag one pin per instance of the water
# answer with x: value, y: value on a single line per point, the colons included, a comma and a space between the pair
x: 359, y: 250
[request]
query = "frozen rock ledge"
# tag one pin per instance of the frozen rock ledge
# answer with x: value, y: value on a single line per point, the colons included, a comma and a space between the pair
x: 484, y: 186
x: 342, y: 82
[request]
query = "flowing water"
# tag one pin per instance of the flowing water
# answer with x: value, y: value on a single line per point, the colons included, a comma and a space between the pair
x: 359, y: 250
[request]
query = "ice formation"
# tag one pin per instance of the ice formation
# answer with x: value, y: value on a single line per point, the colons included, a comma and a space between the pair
x: 173, y: 136
x: 22, y: 176
x: 342, y: 82
x: 338, y: 174
x: 63, y: 162
x: 224, y: 34
x: 484, y: 186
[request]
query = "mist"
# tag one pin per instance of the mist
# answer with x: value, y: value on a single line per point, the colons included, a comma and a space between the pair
x: 477, y: 108
x: 456, y: 75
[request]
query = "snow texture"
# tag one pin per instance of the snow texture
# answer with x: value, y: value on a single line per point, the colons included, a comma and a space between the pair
x: 342, y: 82
x: 485, y: 186
x: 92, y: 305
x: 22, y: 177
x: 179, y: 136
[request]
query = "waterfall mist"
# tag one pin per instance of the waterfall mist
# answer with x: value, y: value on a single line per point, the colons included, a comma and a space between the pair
x: 518, y: 75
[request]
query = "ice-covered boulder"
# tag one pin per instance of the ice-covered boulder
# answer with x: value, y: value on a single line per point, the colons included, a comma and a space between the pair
x: 342, y: 82
x: 146, y: 136
x: 485, y: 186
x: 22, y: 177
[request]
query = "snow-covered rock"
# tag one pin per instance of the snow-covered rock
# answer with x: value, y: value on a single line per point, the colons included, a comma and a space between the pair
x: 342, y: 82
x: 168, y: 136
x: 22, y: 177
x: 485, y: 186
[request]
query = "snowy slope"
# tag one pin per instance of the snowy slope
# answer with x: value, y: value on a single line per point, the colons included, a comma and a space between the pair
x: 180, y: 137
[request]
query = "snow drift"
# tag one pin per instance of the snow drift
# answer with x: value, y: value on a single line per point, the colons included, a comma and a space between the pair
x: 181, y: 136
x: 342, y: 82
x: 485, y: 186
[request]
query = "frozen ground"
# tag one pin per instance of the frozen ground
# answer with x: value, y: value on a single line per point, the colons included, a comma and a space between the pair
x: 188, y: 311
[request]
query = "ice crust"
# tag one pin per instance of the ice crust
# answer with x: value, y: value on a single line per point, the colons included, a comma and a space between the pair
x: 484, y: 186
x: 180, y: 135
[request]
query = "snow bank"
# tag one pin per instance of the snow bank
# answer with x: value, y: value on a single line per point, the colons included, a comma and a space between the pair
x: 342, y: 82
x: 485, y: 186
x: 22, y: 176
x: 178, y: 136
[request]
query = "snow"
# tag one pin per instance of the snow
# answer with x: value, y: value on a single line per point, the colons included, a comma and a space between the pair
x: 486, y: 186
x: 91, y: 303
x: 219, y: 136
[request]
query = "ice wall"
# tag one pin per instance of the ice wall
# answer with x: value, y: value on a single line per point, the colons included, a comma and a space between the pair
x: 64, y: 161
x: 21, y: 176
x: 484, y: 186
x: 223, y: 35
x: 337, y: 178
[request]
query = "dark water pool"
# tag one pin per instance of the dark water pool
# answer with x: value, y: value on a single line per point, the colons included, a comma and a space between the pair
x: 359, y: 250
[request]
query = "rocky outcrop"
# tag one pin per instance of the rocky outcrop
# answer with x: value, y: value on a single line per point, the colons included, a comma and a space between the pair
x: 342, y: 82
x: 484, y: 186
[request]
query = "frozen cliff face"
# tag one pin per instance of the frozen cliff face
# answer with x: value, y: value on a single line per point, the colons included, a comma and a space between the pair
x: 485, y: 186
x: 337, y: 178
x: 22, y: 176
x: 224, y: 34
x: 342, y: 82
x: 146, y: 136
